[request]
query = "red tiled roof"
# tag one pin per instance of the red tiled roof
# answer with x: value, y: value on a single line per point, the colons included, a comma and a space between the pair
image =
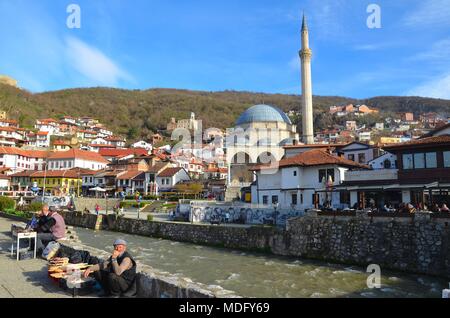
x: 316, y: 157
x: 47, y: 121
x: 74, y: 174
x: 42, y: 133
x: 314, y: 146
x: 61, y: 143
x: 102, y: 146
x: 157, y: 167
x: 25, y: 173
x: 8, y: 129
x: 111, y: 152
x: 428, y: 141
x: 77, y: 153
x: 131, y: 174
x: 114, y: 138
x: 169, y: 172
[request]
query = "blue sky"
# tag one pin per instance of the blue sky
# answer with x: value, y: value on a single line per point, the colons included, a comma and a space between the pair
x: 249, y: 45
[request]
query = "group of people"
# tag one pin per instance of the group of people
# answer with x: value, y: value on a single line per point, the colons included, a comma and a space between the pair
x: 116, y: 275
x: 409, y: 208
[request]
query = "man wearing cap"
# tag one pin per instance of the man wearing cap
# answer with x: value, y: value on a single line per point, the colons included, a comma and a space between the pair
x: 117, y: 274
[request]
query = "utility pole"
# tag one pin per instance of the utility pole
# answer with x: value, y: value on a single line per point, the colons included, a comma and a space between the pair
x: 45, y: 180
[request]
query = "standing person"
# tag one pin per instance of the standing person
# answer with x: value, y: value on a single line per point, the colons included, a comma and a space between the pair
x: 118, y: 273
x: 97, y: 208
x: 51, y: 227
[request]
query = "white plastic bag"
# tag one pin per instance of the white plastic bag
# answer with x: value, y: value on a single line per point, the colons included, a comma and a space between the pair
x: 51, y: 250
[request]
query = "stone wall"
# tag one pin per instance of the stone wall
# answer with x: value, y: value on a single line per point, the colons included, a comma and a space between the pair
x: 89, y: 203
x: 418, y: 245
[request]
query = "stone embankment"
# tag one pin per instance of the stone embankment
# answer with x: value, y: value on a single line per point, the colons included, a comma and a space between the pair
x: 416, y: 244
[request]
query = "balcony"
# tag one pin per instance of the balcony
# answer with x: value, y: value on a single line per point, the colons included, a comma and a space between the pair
x: 370, y: 175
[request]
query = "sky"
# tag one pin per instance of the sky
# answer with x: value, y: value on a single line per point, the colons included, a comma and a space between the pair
x: 245, y: 45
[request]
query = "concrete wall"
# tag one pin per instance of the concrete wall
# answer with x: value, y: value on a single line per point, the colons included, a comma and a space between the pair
x: 417, y: 245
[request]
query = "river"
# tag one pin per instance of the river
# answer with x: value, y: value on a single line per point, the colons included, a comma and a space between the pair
x: 260, y: 275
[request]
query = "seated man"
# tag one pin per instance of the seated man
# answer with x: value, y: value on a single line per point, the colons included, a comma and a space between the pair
x: 118, y: 273
x: 50, y: 227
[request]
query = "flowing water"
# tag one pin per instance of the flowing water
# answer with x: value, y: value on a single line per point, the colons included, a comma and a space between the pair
x: 260, y: 275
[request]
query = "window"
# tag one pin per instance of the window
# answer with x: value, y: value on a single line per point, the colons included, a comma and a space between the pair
x: 295, y: 173
x: 274, y: 199
x: 325, y: 174
x: 419, y: 160
x: 431, y: 160
x: 265, y: 199
x: 351, y: 157
x: 294, y: 199
x: 387, y: 164
x: 362, y: 158
x: 446, y: 159
x: 408, y: 162
x: 344, y: 197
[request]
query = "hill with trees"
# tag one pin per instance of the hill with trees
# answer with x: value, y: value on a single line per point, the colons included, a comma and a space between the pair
x: 139, y: 113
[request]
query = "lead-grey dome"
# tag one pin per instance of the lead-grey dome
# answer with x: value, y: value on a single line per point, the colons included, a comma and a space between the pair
x: 263, y: 113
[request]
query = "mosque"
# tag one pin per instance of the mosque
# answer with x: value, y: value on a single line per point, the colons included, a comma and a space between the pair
x: 262, y: 130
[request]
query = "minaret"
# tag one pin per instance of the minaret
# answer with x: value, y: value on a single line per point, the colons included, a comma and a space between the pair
x: 307, y: 108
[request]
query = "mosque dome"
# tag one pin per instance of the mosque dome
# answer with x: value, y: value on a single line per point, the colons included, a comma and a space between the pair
x: 263, y: 113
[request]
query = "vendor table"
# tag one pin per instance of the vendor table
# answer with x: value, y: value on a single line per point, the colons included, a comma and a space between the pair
x: 17, y: 236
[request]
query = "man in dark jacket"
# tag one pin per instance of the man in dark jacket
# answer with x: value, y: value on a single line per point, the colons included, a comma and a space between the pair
x: 118, y: 273
x: 50, y: 227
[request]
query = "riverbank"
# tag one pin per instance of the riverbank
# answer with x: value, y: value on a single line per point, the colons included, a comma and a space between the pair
x: 23, y: 279
x: 151, y: 283
x: 417, y: 245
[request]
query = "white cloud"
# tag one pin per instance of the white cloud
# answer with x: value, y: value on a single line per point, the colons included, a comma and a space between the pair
x: 439, y: 52
x: 436, y: 88
x: 94, y: 64
x: 430, y: 12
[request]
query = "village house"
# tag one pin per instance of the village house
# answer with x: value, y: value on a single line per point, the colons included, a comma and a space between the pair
x: 76, y: 158
x: 359, y: 152
x: 49, y: 125
x: 59, y: 182
x: 143, y: 145
x: 116, y: 141
x: 170, y: 177
x: 61, y: 145
x: 302, y: 181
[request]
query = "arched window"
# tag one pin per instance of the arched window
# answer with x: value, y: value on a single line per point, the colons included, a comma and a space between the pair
x: 387, y: 164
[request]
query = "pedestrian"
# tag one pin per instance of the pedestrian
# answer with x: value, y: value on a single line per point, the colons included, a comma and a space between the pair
x: 97, y: 208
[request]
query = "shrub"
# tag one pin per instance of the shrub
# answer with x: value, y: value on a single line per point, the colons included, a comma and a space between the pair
x: 7, y: 203
x: 34, y: 207
x: 150, y: 218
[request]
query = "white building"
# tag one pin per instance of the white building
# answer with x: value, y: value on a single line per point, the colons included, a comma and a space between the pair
x: 359, y: 152
x: 170, y: 177
x: 75, y: 158
x: 142, y: 144
x: 364, y: 136
x: 301, y: 182
x: 42, y: 139
x: 19, y: 160
x: 385, y: 161
x: 49, y: 125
